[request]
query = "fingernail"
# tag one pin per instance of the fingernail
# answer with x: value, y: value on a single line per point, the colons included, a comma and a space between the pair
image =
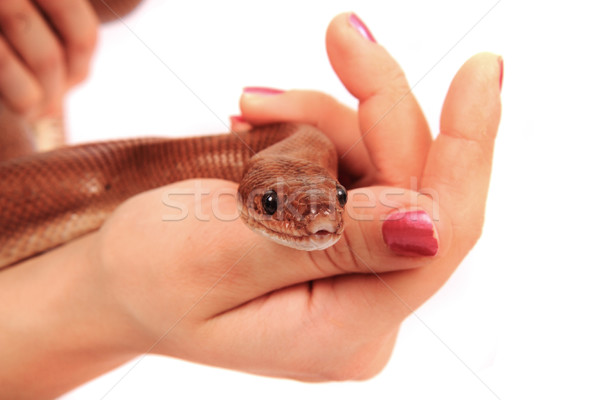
x: 501, y: 62
x: 410, y: 233
x: 361, y: 27
x: 263, y: 91
x: 239, y: 124
x: 237, y: 119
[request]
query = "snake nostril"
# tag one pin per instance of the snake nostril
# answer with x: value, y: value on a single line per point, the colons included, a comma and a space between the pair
x: 322, y: 232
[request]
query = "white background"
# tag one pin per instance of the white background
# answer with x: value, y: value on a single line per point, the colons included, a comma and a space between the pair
x: 519, y: 319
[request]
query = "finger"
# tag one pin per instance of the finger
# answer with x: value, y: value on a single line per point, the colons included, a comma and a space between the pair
x: 261, y: 106
x: 18, y: 88
x: 77, y: 24
x: 458, y: 173
x: 109, y: 10
x: 35, y: 43
x: 393, y: 127
x: 239, y: 124
x: 460, y: 160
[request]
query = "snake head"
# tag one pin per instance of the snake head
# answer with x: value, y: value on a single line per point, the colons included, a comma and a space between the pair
x: 292, y: 202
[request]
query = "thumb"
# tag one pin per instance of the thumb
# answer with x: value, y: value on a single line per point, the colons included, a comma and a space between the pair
x: 383, y: 223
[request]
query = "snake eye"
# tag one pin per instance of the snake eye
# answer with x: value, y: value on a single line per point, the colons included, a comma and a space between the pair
x: 269, y: 202
x: 342, y: 196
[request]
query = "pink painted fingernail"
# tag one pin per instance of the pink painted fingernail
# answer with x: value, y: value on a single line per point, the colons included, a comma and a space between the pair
x: 410, y: 233
x: 239, y: 124
x: 237, y: 118
x: 501, y: 62
x: 361, y: 27
x: 263, y: 91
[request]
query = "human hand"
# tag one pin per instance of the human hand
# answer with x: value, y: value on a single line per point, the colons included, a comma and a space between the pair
x: 45, y: 47
x: 215, y: 293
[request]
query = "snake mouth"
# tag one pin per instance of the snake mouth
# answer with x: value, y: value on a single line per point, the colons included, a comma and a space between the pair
x: 318, y: 241
x: 318, y: 235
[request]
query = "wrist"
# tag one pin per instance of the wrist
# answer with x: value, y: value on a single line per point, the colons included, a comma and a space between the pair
x: 64, y: 329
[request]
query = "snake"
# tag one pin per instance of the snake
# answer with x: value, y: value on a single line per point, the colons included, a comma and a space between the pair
x: 287, y: 192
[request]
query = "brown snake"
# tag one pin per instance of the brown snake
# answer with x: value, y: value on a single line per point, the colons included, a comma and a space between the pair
x: 287, y: 192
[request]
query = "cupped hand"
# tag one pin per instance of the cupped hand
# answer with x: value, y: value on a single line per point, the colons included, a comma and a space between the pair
x: 207, y: 289
x: 45, y: 48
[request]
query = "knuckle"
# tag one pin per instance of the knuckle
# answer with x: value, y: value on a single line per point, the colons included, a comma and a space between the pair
x: 397, y: 85
x: 391, y: 82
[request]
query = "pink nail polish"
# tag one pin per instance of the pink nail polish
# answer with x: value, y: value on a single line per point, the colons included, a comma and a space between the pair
x: 263, y: 91
x: 361, y: 27
x: 237, y: 118
x: 501, y: 62
x: 410, y: 233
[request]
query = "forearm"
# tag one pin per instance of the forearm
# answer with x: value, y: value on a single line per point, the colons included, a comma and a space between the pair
x: 58, y: 327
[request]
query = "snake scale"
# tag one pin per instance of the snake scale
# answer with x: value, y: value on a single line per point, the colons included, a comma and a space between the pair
x: 286, y: 173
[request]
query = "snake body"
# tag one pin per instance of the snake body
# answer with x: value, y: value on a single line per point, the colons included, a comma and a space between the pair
x: 287, y: 192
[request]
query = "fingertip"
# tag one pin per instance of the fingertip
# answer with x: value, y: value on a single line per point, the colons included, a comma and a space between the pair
x: 260, y: 105
x: 239, y: 124
x: 411, y: 233
x: 401, y: 229
x: 485, y: 69
x: 361, y: 27
x: 346, y: 42
x: 363, y: 66
x: 474, y: 98
x: 348, y: 24
x: 262, y: 91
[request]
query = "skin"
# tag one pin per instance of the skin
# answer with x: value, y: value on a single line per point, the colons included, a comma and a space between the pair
x: 99, y: 301
x: 46, y: 47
